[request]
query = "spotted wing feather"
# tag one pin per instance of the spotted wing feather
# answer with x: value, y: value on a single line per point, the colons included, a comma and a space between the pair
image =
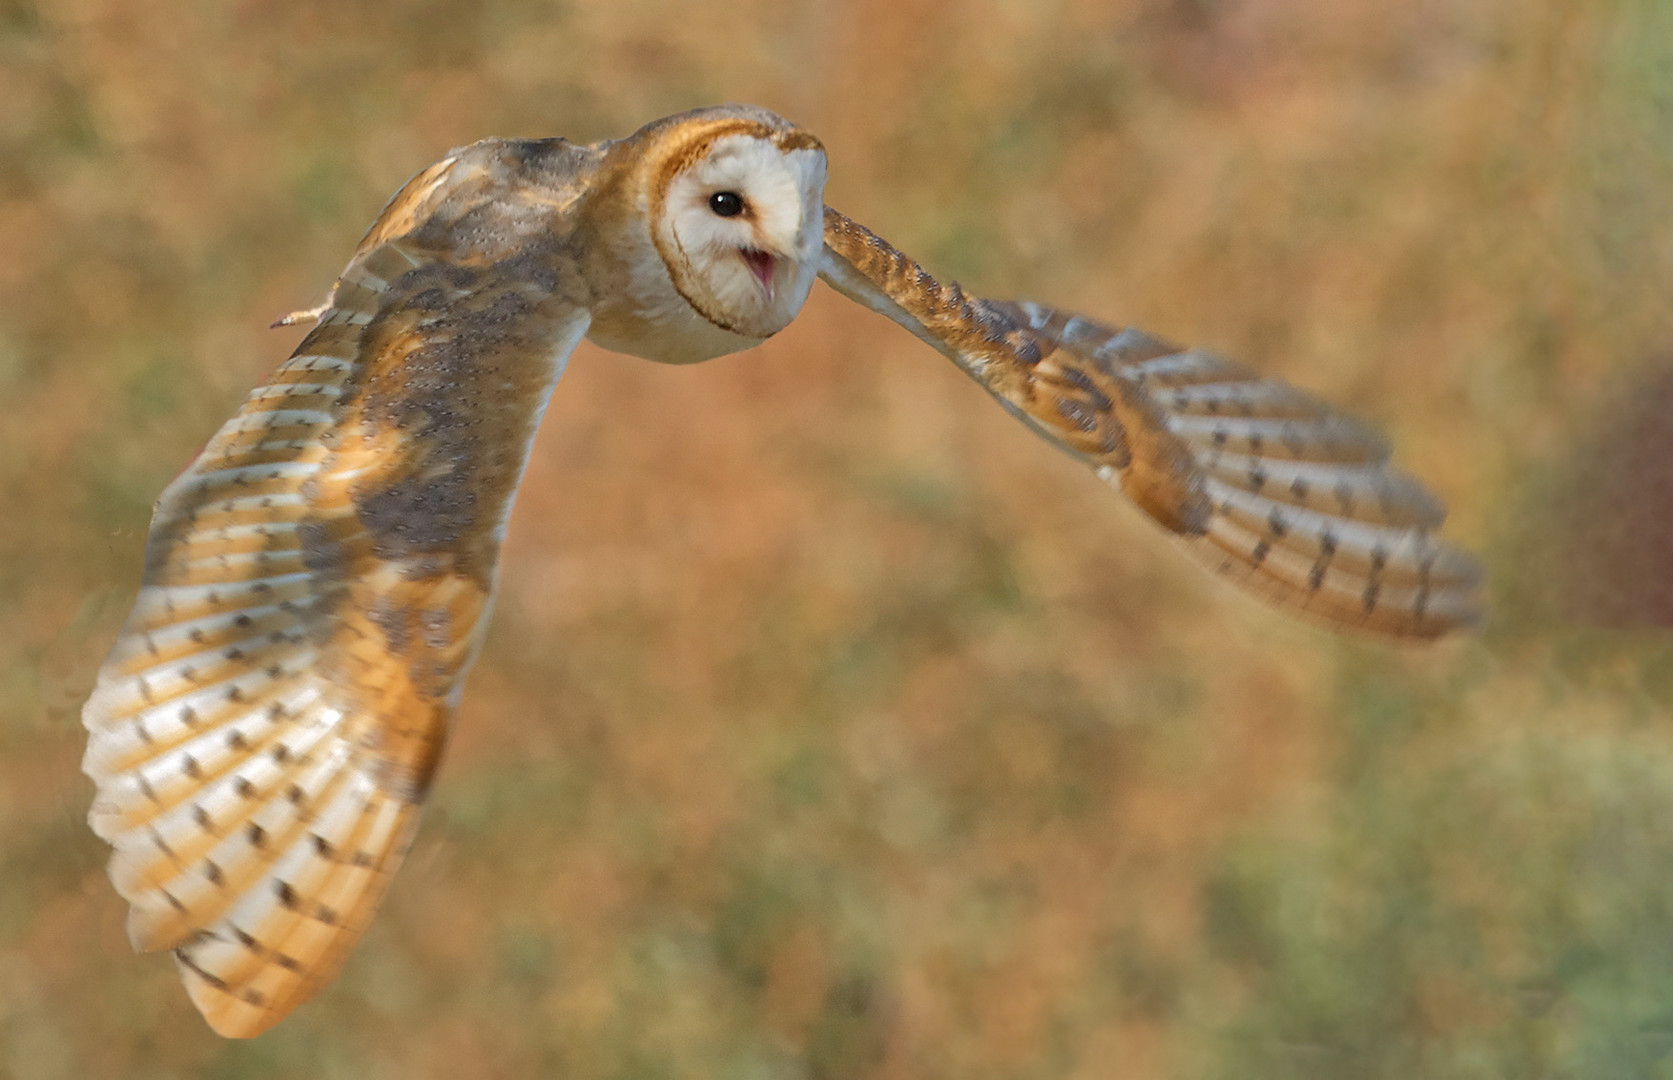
x: 266, y: 727
x: 1261, y: 482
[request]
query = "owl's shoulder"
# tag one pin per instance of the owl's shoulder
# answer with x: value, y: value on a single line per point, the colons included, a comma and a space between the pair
x: 482, y: 202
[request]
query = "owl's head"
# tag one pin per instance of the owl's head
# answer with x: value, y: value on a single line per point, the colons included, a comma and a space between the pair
x: 737, y: 215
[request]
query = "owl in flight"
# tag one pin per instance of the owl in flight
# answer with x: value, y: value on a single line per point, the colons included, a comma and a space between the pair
x: 317, y: 582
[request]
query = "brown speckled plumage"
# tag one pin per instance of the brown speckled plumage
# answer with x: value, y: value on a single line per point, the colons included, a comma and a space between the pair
x: 272, y: 716
x: 1259, y: 481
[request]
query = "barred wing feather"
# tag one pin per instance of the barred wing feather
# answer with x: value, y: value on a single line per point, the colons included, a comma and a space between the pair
x: 1262, y: 483
x: 266, y: 727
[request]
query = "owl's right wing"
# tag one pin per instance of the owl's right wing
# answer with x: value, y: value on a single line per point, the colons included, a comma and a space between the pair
x: 266, y: 727
x: 1260, y: 482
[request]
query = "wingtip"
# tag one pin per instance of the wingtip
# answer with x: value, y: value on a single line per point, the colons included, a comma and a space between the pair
x: 228, y: 1015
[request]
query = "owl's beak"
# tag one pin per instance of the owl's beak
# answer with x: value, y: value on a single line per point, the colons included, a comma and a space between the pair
x: 761, y: 264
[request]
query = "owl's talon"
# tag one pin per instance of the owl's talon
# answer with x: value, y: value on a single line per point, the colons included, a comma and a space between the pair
x: 304, y: 315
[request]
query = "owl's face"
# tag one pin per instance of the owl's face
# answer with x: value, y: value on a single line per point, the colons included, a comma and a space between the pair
x: 740, y: 225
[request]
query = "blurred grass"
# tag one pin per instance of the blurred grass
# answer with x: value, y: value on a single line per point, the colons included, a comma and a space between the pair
x: 831, y: 726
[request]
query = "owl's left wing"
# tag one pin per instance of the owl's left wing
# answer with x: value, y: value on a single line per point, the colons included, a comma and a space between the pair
x: 1260, y: 482
x: 266, y: 727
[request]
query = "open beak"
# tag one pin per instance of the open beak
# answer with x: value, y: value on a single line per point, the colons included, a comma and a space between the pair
x: 761, y: 264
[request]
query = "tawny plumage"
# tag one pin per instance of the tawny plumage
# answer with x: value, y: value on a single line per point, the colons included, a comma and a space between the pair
x: 317, y: 582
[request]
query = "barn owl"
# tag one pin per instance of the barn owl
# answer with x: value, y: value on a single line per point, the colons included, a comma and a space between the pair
x: 317, y: 582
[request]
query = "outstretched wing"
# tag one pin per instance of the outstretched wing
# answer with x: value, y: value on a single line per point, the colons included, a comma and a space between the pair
x: 267, y: 725
x: 1259, y: 481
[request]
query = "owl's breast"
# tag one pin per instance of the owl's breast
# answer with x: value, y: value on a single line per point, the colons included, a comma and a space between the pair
x: 637, y: 309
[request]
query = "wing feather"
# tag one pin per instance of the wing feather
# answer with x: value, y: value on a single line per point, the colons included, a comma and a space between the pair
x: 264, y: 730
x: 1261, y: 482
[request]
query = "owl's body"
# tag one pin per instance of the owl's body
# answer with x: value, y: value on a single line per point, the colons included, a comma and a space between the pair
x: 317, y: 583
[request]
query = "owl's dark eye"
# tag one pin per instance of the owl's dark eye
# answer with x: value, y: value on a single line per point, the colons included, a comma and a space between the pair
x: 726, y: 203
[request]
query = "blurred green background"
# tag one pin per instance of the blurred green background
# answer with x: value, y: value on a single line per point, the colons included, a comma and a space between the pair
x: 831, y: 725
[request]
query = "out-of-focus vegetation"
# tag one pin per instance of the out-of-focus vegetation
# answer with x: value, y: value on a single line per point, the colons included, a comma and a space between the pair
x: 830, y: 725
